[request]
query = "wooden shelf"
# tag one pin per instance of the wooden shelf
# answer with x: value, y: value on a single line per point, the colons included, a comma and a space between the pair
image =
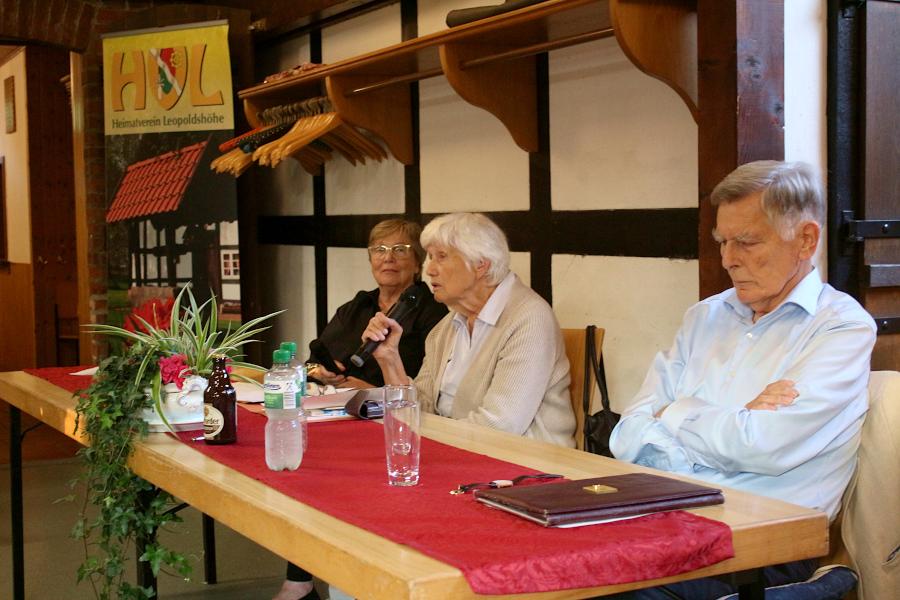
x: 490, y: 63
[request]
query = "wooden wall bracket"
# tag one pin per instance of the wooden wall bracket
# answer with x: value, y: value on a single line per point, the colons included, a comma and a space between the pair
x: 660, y: 38
x: 386, y: 111
x: 506, y: 89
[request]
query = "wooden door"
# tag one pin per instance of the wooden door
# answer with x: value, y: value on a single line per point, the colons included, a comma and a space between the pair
x: 864, y: 164
x: 880, y: 272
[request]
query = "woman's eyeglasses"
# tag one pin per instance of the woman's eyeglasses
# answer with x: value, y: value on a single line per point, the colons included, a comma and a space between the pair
x: 398, y: 250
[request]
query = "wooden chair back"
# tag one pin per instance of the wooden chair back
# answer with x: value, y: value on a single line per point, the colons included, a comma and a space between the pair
x: 574, y: 341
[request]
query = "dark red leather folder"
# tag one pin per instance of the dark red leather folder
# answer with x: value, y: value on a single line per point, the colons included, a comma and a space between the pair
x: 602, y: 498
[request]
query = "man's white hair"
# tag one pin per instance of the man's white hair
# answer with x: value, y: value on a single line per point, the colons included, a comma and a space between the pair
x: 791, y: 193
x: 475, y: 237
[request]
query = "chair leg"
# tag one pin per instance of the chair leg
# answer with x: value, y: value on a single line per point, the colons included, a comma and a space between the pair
x: 209, y: 549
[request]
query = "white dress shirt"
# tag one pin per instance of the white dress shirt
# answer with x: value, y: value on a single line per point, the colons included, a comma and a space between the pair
x: 804, y: 453
x: 466, y: 347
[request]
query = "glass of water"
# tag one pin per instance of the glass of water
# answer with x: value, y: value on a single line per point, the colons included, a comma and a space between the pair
x: 401, y: 434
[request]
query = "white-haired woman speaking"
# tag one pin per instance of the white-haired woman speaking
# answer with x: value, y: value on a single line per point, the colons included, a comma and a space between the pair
x: 497, y: 359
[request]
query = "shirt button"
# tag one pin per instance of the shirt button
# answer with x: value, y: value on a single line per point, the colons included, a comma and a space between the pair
x: 749, y: 336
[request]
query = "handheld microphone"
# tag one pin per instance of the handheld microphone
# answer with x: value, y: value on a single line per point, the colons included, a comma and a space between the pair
x: 407, y: 302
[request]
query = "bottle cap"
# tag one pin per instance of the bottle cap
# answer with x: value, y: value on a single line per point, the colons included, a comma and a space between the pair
x: 281, y: 356
x: 289, y: 346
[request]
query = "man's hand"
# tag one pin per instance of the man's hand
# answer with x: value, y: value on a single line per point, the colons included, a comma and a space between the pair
x: 777, y: 394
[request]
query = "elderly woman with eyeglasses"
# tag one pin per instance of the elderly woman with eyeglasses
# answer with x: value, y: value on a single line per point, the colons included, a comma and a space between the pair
x: 498, y: 358
x: 395, y: 257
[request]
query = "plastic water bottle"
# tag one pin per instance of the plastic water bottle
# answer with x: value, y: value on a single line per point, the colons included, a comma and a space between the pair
x: 284, y: 432
x: 300, y: 369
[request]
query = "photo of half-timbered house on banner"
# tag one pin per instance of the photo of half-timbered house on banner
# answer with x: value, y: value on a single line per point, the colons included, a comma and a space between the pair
x: 181, y: 224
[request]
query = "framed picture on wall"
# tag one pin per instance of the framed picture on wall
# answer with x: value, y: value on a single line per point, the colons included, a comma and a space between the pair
x: 9, y: 101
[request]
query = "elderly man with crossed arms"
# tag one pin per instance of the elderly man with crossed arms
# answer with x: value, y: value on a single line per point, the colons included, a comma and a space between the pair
x: 765, y: 387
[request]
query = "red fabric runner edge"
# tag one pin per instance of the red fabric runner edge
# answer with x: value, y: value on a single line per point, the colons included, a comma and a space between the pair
x: 498, y: 553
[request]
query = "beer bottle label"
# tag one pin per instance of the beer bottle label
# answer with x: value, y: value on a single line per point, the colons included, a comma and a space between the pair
x: 213, y: 421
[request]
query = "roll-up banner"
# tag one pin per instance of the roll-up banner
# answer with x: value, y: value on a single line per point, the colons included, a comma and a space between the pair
x: 168, y: 104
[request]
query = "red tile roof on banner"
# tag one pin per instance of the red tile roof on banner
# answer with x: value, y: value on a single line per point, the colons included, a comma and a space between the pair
x: 155, y: 185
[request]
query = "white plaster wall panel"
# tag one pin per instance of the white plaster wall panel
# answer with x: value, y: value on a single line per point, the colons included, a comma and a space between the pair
x: 183, y: 268
x: 638, y: 301
x: 520, y: 264
x: 228, y: 233
x: 374, y: 187
x: 468, y: 160
x: 348, y: 272
x: 231, y: 291
x: 805, y: 54
x: 433, y: 13
x: 288, y: 283
x: 361, y: 35
x: 14, y: 148
x: 148, y: 233
x: 805, y: 60
x: 286, y: 189
x: 618, y: 138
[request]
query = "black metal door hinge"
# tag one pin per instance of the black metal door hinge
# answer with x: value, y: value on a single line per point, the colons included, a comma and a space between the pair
x: 859, y: 230
x: 887, y: 325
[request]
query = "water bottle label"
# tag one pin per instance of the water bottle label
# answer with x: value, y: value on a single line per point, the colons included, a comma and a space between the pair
x: 280, y: 395
x: 301, y: 381
x: 213, y: 421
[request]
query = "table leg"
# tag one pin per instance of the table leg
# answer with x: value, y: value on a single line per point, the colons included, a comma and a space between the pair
x: 209, y: 549
x: 145, y: 577
x: 15, y: 501
x: 753, y: 588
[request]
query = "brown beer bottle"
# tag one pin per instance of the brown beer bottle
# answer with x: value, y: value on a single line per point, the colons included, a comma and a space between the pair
x: 219, y: 406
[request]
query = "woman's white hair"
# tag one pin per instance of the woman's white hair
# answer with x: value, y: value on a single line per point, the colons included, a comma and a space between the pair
x: 791, y: 193
x: 475, y: 237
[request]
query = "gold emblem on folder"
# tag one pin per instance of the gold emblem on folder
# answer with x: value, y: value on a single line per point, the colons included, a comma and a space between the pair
x: 600, y: 489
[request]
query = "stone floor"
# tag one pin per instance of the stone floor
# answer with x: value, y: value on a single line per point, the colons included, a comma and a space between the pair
x: 245, y: 570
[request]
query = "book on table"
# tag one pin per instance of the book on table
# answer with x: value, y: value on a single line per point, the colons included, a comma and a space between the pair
x: 599, y: 499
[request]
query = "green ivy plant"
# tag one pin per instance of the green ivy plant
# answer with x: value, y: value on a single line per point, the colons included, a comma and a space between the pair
x: 128, y: 509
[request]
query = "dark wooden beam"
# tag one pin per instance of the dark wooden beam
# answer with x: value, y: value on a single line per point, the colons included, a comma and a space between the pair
x: 658, y: 233
x: 741, y: 104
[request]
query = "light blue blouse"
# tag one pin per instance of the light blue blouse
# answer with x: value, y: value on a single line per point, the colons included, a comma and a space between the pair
x: 804, y: 453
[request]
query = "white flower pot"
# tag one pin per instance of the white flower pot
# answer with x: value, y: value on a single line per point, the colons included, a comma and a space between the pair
x: 182, y: 408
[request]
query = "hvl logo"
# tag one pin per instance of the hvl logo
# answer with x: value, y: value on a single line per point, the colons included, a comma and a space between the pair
x: 165, y: 72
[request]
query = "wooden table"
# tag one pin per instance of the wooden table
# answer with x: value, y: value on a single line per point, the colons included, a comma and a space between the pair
x: 365, y: 565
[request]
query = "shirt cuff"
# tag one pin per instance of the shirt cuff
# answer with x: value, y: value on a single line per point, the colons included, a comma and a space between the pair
x: 678, y: 411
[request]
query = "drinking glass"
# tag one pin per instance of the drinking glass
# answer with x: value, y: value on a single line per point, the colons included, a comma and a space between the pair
x: 401, y: 434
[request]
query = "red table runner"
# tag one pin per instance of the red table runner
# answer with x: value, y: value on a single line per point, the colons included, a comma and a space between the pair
x: 343, y: 475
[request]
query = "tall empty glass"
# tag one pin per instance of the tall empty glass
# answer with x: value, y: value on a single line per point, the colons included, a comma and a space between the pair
x: 401, y: 434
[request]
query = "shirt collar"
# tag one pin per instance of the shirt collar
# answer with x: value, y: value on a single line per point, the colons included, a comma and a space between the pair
x: 805, y: 295
x: 495, y: 304
x: 493, y: 308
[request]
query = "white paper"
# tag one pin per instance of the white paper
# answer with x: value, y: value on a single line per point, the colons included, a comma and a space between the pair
x: 89, y: 371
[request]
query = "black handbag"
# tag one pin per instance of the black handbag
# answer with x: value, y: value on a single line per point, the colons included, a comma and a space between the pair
x: 598, y: 426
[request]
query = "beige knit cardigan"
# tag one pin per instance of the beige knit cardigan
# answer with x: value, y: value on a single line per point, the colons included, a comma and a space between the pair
x: 518, y: 382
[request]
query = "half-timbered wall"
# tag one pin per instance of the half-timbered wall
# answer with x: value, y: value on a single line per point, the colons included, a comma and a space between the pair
x: 602, y: 221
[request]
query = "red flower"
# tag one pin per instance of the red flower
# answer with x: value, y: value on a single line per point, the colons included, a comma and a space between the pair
x: 156, y: 311
x: 173, y: 368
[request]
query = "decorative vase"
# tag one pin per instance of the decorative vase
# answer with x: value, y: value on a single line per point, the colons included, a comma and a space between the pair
x: 183, y: 409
